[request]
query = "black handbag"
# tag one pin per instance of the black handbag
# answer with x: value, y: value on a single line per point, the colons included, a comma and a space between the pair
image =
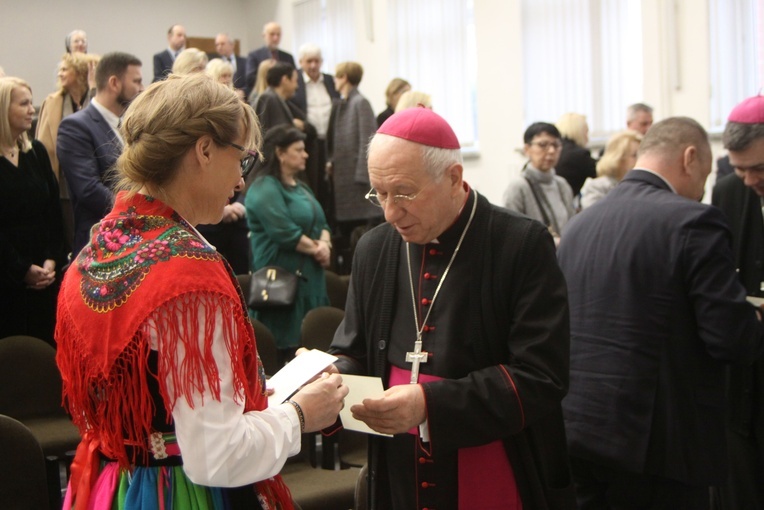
x: 272, y: 287
x: 275, y: 287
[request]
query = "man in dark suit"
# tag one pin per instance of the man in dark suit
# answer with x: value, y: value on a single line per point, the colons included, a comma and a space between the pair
x: 272, y: 38
x: 741, y: 198
x: 89, y: 143
x: 656, y: 310
x: 224, y: 45
x: 176, y: 42
x: 314, y: 96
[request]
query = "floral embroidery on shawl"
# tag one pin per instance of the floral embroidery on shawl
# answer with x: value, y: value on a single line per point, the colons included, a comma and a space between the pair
x: 123, y: 252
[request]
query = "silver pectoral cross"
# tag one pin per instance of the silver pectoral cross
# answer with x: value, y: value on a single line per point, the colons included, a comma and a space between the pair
x: 415, y: 358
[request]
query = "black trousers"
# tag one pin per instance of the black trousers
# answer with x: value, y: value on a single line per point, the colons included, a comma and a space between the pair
x: 605, y: 488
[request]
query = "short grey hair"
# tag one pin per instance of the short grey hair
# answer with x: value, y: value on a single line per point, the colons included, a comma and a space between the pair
x: 308, y: 50
x: 632, y: 110
x: 738, y: 136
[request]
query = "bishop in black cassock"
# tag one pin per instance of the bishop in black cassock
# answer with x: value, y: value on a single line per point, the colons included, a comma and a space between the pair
x: 480, y: 288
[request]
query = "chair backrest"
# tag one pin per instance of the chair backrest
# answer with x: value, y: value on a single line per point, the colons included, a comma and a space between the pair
x: 361, y: 489
x: 30, y: 382
x: 266, y: 347
x: 23, y: 482
x: 336, y: 288
x: 244, y: 280
x: 319, y: 326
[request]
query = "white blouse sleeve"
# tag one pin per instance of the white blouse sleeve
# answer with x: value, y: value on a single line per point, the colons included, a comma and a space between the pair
x: 221, y: 445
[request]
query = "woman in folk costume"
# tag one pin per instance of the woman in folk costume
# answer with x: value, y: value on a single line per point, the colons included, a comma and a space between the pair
x: 158, y: 357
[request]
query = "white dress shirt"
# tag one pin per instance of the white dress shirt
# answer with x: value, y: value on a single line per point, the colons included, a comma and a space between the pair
x: 319, y: 104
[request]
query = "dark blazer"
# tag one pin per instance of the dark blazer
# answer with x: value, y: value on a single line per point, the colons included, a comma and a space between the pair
x: 87, y: 148
x: 256, y: 56
x: 240, y: 75
x: 162, y: 65
x: 656, y: 310
x: 742, y: 207
x: 575, y: 165
x: 300, y: 98
x: 271, y: 110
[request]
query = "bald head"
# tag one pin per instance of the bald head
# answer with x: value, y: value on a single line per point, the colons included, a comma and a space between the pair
x: 224, y: 45
x: 677, y: 148
x: 272, y: 35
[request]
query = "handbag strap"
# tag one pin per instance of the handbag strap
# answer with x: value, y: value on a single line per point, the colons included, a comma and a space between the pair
x: 308, y: 231
x: 541, y: 201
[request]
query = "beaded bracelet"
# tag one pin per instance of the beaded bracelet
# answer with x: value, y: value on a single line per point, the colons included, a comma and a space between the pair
x: 299, y: 414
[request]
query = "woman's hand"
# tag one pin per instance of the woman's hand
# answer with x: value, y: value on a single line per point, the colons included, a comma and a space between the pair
x: 323, y: 254
x: 37, y: 278
x: 233, y: 212
x: 91, y: 75
x: 321, y: 401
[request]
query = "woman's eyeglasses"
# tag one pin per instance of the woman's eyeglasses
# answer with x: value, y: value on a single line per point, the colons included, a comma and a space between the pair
x: 248, y: 161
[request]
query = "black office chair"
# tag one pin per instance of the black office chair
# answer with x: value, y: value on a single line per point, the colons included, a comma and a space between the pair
x: 23, y: 484
x: 266, y: 347
x: 30, y: 392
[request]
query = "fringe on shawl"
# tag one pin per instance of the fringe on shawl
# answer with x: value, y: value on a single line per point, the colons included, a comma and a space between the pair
x: 117, y: 407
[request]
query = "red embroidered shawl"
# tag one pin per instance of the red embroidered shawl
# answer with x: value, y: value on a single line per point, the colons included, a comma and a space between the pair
x: 144, y: 261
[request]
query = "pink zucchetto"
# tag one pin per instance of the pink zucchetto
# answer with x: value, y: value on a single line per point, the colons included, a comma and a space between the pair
x: 421, y: 125
x: 750, y: 111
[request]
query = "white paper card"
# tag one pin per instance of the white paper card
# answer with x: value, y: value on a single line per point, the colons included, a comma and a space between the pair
x: 755, y: 301
x: 360, y: 387
x: 296, y: 373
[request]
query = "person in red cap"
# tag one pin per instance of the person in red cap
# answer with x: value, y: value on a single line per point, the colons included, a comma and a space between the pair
x: 460, y: 307
x: 741, y: 198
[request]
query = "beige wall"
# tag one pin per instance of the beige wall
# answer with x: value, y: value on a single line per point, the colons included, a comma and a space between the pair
x: 33, y: 31
x: 33, y: 42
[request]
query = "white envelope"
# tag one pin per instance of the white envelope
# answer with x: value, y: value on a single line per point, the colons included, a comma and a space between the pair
x: 296, y: 373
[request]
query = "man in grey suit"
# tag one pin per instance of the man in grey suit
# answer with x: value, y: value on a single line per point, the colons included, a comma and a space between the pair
x: 656, y: 310
x: 271, y: 38
x: 176, y: 42
x: 89, y: 143
x: 224, y: 45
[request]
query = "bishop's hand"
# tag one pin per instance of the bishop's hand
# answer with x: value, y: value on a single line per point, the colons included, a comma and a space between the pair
x: 399, y: 409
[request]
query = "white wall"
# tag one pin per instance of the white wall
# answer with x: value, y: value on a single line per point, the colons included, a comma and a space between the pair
x: 33, y: 31
x: 33, y: 42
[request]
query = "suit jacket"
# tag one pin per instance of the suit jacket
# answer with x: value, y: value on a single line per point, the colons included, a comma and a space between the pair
x: 742, y: 207
x: 656, y: 309
x: 256, y: 56
x: 271, y: 110
x: 300, y: 98
x: 87, y: 149
x: 162, y: 65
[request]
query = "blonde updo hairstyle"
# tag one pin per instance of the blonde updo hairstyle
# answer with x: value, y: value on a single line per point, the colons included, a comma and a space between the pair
x: 190, y: 60
x: 413, y: 99
x: 613, y: 160
x: 165, y: 121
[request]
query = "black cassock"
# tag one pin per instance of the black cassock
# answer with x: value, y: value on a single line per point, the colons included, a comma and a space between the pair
x: 497, y: 334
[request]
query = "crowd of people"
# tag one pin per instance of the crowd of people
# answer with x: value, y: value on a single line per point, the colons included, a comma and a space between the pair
x: 591, y: 343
